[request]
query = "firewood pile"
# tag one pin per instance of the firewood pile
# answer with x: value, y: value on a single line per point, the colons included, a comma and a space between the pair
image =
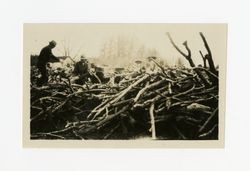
x: 171, y: 103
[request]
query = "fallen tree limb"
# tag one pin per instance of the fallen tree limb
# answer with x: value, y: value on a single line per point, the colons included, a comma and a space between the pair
x: 203, y: 127
x: 123, y: 93
x: 151, y: 113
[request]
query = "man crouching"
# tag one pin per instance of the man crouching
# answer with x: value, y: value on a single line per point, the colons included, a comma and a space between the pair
x: 81, y: 71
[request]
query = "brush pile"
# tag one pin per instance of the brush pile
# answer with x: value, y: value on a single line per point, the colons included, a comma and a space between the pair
x: 170, y: 103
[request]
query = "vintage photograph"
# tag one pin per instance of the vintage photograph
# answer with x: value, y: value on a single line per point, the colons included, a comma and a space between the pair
x: 124, y: 81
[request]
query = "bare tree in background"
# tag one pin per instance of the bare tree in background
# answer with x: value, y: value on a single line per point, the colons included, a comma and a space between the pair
x: 179, y: 62
x: 118, y: 50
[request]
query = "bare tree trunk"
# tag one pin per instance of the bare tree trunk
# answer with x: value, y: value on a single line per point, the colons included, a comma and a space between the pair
x: 204, y: 60
x: 189, y: 58
x: 209, y: 55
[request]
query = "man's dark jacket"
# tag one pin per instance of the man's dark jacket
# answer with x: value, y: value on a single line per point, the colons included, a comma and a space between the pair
x: 45, y: 56
x: 81, y: 68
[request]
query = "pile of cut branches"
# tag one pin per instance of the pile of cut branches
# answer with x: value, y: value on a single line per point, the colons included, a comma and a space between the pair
x: 172, y: 106
x: 172, y: 103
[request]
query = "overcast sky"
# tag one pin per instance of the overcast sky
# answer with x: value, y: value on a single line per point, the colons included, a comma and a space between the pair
x: 88, y: 38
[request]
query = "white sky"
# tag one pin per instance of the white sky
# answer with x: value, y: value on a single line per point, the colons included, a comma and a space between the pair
x: 88, y: 38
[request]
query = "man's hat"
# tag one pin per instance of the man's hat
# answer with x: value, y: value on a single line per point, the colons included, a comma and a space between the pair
x: 83, y: 57
x: 52, y: 42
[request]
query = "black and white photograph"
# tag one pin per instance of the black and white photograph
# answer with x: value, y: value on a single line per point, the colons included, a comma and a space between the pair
x: 124, y: 85
x: 147, y: 82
